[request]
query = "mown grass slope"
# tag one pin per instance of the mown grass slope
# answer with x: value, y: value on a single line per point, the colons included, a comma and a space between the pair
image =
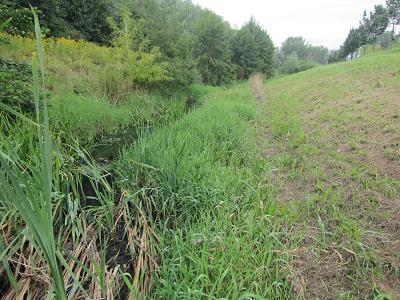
x: 332, y: 135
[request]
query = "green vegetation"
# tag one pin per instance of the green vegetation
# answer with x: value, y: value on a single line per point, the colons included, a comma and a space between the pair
x: 19, y: 21
x: 58, y: 205
x: 122, y: 179
x: 336, y: 155
x: 372, y: 31
x: 296, y: 55
x: 205, y: 198
x: 192, y: 44
x: 15, y: 80
x: 252, y: 51
x: 33, y: 200
x: 90, y: 70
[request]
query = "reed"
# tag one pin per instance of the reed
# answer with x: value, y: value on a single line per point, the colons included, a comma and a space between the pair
x: 28, y: 186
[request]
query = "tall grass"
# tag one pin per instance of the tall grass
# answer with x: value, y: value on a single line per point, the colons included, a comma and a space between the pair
x: 204, y: 195
x: 28, y: 186
x: 40, y: 183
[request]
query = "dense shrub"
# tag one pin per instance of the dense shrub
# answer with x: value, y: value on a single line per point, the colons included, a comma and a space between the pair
x: 385, y: 40
x: 88, y: 69
x: 291, y: 64
x: 307, y: 64
x: 21, y: 20
x: 15, y: 82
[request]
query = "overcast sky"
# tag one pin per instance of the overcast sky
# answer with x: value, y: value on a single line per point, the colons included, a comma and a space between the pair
x: 321, y: 22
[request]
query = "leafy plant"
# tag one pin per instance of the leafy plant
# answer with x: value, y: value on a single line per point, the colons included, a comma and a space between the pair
x: 18, y: 20
x: 4, y: 24
x: 16, y: 83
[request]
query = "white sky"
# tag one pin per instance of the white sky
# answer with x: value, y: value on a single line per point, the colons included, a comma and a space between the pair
x: 321, y: 22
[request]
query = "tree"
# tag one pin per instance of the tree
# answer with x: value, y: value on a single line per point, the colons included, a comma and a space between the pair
x: 318, y: 54
x: 89, y: 19
x: 253, y: 51
x: 333, y: 56
x: 374, y: 25
x: 308, y: 56
x: 353, y: 41
x: 53, y: 14
x: 295, y: 44
x: 18, y: 21
x: 212, y: 50
x: 124, y: 32
x: 393, y: 10
x: 385, y: 40
x: 81, y: 18
x: 169, y: 25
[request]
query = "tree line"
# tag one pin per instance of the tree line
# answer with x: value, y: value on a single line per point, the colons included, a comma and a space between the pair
x: 296, y: 54
x: 372, y: 30
x: 195, y: 44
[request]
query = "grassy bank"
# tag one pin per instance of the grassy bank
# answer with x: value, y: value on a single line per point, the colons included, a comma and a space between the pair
x: 333, y: 137
x: 202, y: 182
x: 93, y: 92
x: 64, y: 222
x: 290, y: 191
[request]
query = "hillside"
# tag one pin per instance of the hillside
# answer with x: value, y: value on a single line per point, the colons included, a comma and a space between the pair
x: 332, y: 138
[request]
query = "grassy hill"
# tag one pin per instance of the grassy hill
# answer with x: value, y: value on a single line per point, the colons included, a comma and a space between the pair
x: 333, y: 139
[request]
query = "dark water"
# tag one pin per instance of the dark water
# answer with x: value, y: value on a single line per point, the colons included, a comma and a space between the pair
x: 104, y: 154
x: 108, y: 150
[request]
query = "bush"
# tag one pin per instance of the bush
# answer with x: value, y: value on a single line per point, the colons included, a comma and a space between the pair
x: 385, y: 40
x: 91, y: 70
x: 370, y: 50
x: 21, y: 22
x: 291, y: 64
x: 16, y: 84
x: 87, y: 118
x: 191, y: 159
x: 307, y: 64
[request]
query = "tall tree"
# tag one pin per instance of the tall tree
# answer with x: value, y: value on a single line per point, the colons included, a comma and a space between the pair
x: 89, y: 18
x: 295, y: 44
x: 307, y: 55
x: 253, y: 51
x: 318, y: 54
x: 375, y: 24
x: 353, y: 41
x: 169, y: 26
x: 84, y: 18
x: 212, y: 49
x: 393, y: 9
x: 53, y: 14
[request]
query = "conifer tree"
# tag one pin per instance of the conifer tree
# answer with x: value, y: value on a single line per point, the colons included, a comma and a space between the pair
x: 253, y: 51
x: 212, y: 50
